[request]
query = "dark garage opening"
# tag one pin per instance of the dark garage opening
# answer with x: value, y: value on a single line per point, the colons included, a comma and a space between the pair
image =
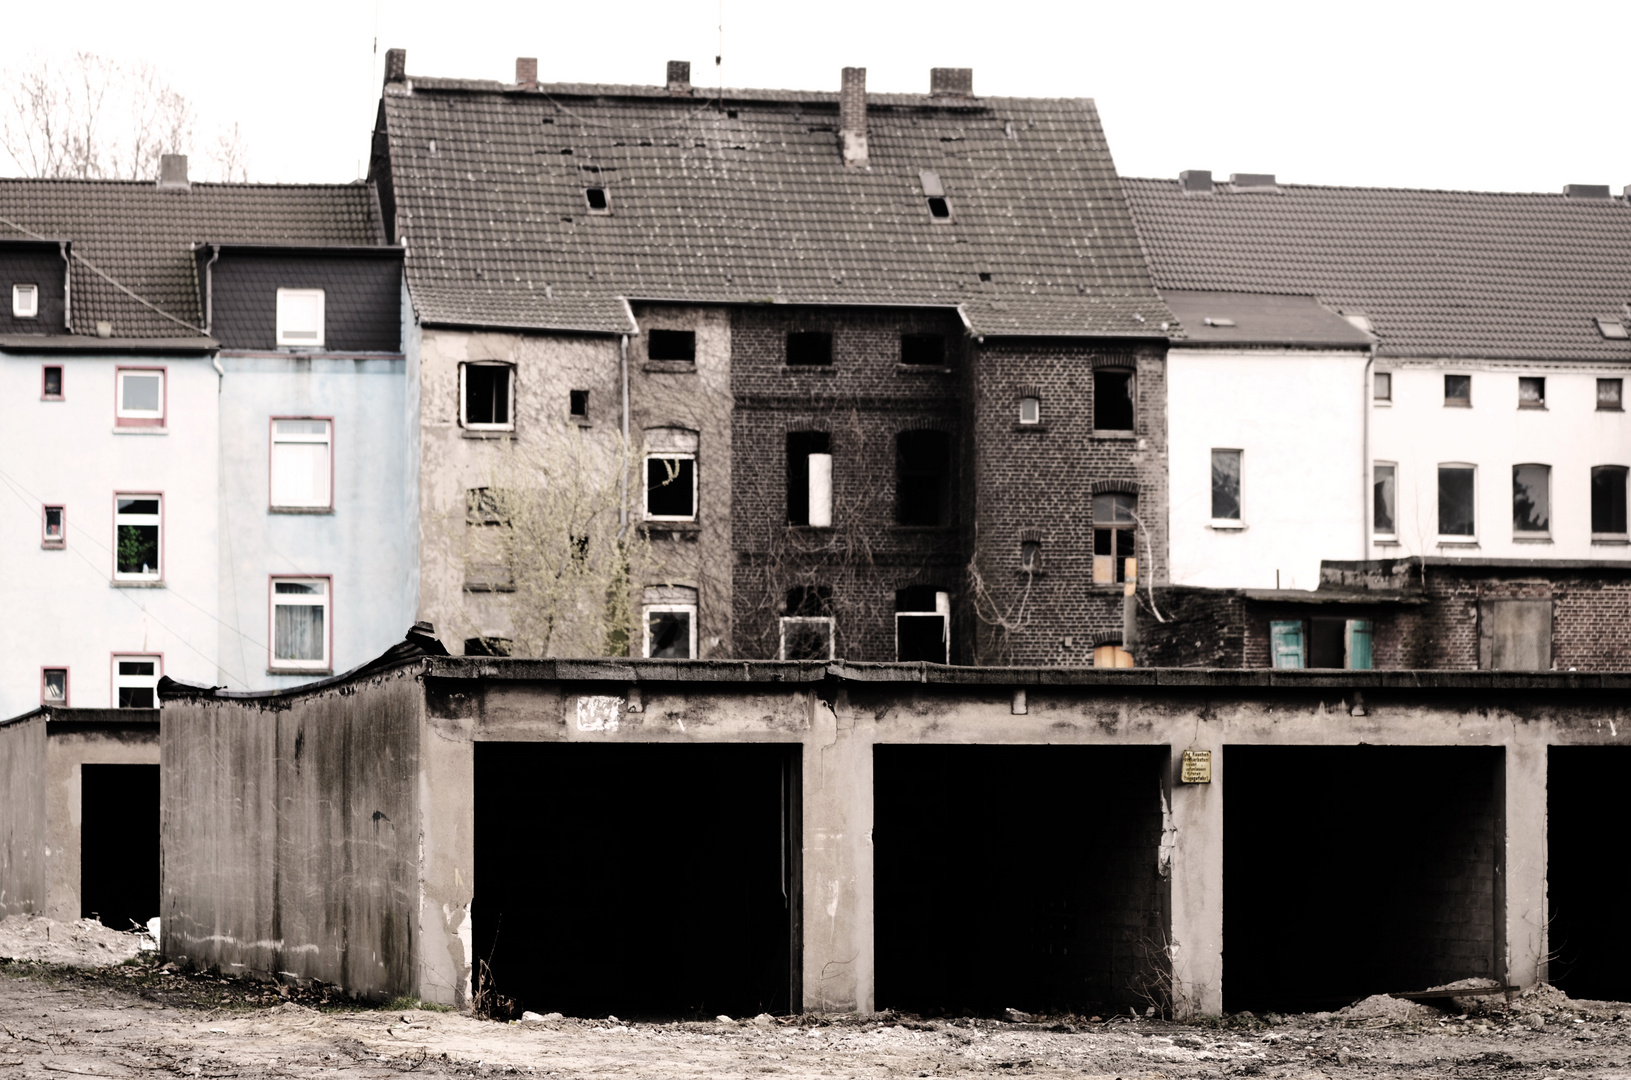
x: 642, y: 881
x: 119, y: 843
x: 1357, y: 870
x: 1023, y: 877
x: 1588, y: 886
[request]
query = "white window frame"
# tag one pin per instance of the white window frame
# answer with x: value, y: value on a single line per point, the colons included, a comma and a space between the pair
x: 281, y: 666
x: 326, y: 438
x: 120, y: 682
x: 67, y: 685
x: 1450, y: 539
x: 289, y: 336
x: 129, y: 417
x: 827, y: 620
x: 121, y: 517
x: 645, y: 479
x: 1377, y: 534
x: 647, y: 610
x: 25, y: 301
x: 1534, y: 534
x: 464, y: 398
x: 1030, y: 410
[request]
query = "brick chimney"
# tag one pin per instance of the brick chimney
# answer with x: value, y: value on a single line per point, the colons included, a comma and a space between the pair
x: 679, y: 77
x: 1195, y: 181
x: 951, y: 82
x: 852, y: 117
x: 396, y: 65
x: 173, y: 171
x: 526, y: 72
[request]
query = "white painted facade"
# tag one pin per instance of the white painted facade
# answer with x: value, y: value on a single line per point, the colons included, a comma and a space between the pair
x: 64, y: 607
x: 1297, y: 416
x: 1418, y: 432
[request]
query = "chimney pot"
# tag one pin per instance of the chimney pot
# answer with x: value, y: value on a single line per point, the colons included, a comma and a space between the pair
x: 173, y: 171
x: 951, y: 82
x: 1586, y: 191
x: 1195, y: 181
x: 679, y: 76
x: 526, y: 71
x: 852, y: 117
x: 396, y: 65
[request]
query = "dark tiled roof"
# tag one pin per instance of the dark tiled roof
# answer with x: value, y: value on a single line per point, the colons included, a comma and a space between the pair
x: 1237, y: 318
x: 745, y: 199
x: 1438, y: 273
x: 141, y: 235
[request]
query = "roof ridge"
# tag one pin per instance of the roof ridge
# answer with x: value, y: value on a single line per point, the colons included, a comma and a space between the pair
x: 707, y: 94
x: 1283, y: 186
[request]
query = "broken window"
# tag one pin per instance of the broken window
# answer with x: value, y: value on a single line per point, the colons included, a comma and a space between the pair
x: 1114, y: 552
x: 922, y: 625
x: 679, y: 346
x: 1030, y: 556
x: 136, y: 531
x: 1531, y: 499
x: 809, y: 478
x: 1322, y: 642
x: 141, y: 398
x: 1608, y: 500
x: 1458, y: 390
x: 1384, y: 498
x: 1610, y: 394
x: 1112, y: 400
x: 670, y: 616
x: 1515, y: 635
x: 599, y: 202
x: 923, y: 478
x: 486, y: 395
x: 51, y: 383
x: 485, y: 566
x: 578, y: 403
x: 923, y: 350
x: 300, y: 624
x: 1226, y: 485
x: 1531, y: 393
x: 54, y: 686
x: 671, y: 474
x: 302, y: 464
x: 54, y: 527
x: 1456, y: 518
x: 807, y: 630
x: 136, y: 681
x: 1382, y: 386
x: 809, y: 348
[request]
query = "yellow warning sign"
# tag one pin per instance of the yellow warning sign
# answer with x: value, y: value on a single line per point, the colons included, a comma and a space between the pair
x: 1197, y: 767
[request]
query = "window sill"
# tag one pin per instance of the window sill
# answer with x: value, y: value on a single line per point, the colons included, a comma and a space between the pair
x: 1456, y: 543
x: 467, y: 433
x: 1458, y: 404
x: 1543, y: 538
x: 1381, y: 403
x: 1227, y: 525
x: 153, y: 584
x: 1610, y: 539
x: 1600, y: 408
x: 923, y: 369
x: 671, y: 530
x: 53, y: 545
x: 1385, y: 541
x: 581, y: 422
x: 1531, y: 408
x: 1113, y: 436
x: 52, y: 397
x: 807, y: 369
x: 133, y: 430
x: 299, y: 671
x: 487, y: 587
x: 814, y: 530
x: 300, y: 509
x: 1031, y: 427
x: 669, y: 367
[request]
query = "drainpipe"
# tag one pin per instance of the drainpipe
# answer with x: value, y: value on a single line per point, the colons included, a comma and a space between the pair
x: 1364, y: 465
x: 623, y: 478
x: 67, y: 286
x: 209, y: 313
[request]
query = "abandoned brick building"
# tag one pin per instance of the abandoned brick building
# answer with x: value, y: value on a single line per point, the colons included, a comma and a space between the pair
x: 893, y: 363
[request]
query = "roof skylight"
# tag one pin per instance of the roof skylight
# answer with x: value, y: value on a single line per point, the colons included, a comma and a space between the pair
x: 599, y: 202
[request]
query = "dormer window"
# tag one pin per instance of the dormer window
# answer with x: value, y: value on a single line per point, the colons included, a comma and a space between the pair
x: 25, y: 301
x: 300, y: 318
x: 598, y: 200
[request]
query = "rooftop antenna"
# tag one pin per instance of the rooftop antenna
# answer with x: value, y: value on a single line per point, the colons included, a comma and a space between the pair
x: 373, y: 73
x: 719, y: 53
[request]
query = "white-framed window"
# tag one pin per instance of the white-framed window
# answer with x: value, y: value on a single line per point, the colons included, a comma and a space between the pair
x: 300, y: 318
x: 1226, y: 487
x: 487, y: 396
x: 671, y: 474
x: 139, y: 397
x: 671, y: 631
x: 1385, y: 499
x: 25, y: 301
x: 301, y: 630
x: 807, y: 637
x: 54, y: 686
x: 136, y: 680
x: 138, y: 537
x: 922, y: 625
x: 302, y: 463
x: 1457, y: 503
x: 53, y: 526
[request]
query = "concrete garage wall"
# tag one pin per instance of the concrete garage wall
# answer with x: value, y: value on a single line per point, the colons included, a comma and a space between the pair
x: 290, y: 835
x: 23, y: 885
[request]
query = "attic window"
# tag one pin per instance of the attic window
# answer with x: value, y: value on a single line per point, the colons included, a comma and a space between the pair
x: 1209, y: 321
x: 25, y: 302
x: 935, y: 192
x: 300, y: 317
x: 599, y: 202
x: 939, y: 209
x: 1609, y: 328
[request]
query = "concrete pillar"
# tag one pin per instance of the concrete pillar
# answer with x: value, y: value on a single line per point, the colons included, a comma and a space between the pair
x: 447, y: 860
x: 1523, y: 871
x: 838, y: 885
x: 1196, y: 835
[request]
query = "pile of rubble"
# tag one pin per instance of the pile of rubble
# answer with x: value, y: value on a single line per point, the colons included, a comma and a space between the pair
x: 82, y: 943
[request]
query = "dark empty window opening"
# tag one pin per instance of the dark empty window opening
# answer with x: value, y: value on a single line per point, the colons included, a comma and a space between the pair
x: 985, y: 275
x: 807, y: 627
x: 809, y: 348
x: 119, y: 843
x: 801, y: 445
x: 1114, y: 547
x: 922, y: 625
x: 599, y: 201
x: 1608, y: 488
x: 671, y: 487
x: 939, y: 208
x: 1033, y: 931
x: 1458, y: 390
x: 1456, y: 501
x: 1531, y: 393
x: 709, y: 835
x: 580, y: 404
x: 1112, y: 400
x: 1410, y: 889
x: 487, y: 395
x: 809, y: 601
x: 52, y: 383
x: 923, y: 478
x: 1586, y: 815
x: 1030, y: 555
x: 923, y: 350
x: 675, y: 345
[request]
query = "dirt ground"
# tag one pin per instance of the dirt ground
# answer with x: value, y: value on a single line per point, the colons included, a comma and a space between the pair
x: 143, y: 1016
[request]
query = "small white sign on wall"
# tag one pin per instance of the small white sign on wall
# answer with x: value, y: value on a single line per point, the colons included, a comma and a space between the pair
x: 599, y: 713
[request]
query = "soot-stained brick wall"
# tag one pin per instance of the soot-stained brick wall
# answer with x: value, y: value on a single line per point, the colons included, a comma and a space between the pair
x: 1198, y: 628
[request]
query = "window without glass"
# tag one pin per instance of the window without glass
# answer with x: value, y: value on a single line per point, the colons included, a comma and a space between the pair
x: 923, y: 350
x: 671, y: 631
x: 1226, y: 485
x: 300, y: 318
x: 136, y: 680
x: 1030, y: 556
x: 671, y: 487
x: 1382, y: 386
x: 136, y: 528
x: 1113, y: 548
x: 1455, y: 501
x: 54, y: 686
x: 485, y: 396
x: 25, y: 301
x: 674, y: 345
x: 809, y: 348
x: 598, y: 201
x: 1458, y: 390
x: 54, y: 527
x: 1321, y: 643
x: 809, y: 478
x: 302, y: 464
x: 485, y: 565
x: 140, y: 397
x: 1531, y: 393
x: 1608, y: 500
x: 922, y: 478
x: 1112, y: 400
x: 1531, y: 499
x: 1609, y: 394
x: 578, y: 403
x: 1384, y: 501
x: 300, y: 624
x: 51, y: 383
x: 807, y: 630
x: 922, y: 625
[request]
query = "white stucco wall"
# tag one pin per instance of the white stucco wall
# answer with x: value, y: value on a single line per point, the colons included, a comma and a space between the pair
x: 1297, y: 417
x: 63, y: 610
x: 1418, y: 432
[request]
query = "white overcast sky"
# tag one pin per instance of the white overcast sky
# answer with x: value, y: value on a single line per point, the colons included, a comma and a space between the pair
x: 1486, y: 96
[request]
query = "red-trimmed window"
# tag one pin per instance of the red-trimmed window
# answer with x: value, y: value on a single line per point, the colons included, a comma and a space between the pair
x: 138, y: 537
x: 302, y: 631
x: 54, y: 527
x: 302, y: 463
x: 139, y: 397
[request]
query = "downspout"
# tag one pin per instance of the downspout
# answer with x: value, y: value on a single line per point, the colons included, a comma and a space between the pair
x: 209, y: 313
x: 1364, y: 464
x: 67, y: 286
x: 623, y: 477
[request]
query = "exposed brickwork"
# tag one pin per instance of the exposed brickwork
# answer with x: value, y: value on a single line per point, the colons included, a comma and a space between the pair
x: 1201, y: 628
